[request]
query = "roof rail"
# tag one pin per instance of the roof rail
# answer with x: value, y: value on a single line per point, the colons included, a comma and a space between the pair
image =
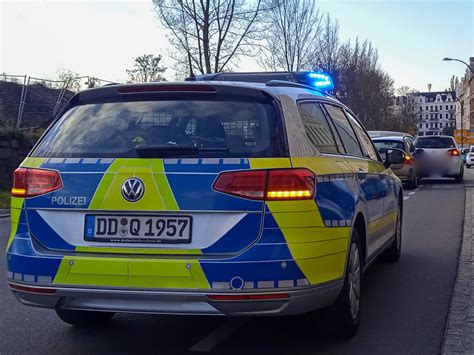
x: 289, y: 84
x: 299, y: 79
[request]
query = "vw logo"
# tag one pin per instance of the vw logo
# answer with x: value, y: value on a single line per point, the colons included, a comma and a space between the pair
x: 133, y: 189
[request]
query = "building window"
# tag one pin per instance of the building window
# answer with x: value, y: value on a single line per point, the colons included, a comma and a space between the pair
x: 451, y: 107
x: 426, y: 108
x: 446, y: 115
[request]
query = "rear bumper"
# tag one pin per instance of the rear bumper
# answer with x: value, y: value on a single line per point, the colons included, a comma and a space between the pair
x: 281, y: 302
x: 445, y: 169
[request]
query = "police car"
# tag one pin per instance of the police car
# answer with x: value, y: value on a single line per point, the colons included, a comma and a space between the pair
x: 234, y: 194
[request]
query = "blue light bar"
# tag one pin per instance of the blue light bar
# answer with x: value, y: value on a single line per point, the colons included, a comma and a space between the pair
x: 320, y: 81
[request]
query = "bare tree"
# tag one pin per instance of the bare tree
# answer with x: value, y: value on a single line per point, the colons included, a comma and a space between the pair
x: 293, y: 35
x: 363, y: 85
x: 210, y: 34
x: 328, y: 52
x: 146, y: 69
x: 403, y: 114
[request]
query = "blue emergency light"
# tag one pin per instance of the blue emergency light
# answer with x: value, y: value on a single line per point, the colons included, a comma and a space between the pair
x: 321, y: 81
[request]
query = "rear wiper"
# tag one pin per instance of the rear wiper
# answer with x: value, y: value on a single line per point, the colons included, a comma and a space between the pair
x: 158, y: 151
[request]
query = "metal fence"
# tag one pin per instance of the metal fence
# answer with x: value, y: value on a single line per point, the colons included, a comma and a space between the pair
x: 29, y: 102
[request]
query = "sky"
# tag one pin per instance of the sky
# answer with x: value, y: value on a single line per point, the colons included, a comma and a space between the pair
x: 101, y: 38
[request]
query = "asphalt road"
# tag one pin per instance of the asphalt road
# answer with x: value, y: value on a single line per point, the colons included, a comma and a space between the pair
x: 404, y: 310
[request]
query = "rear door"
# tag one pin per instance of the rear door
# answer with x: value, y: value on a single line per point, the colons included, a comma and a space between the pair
x: 137, y: 173
x: 369, y: 173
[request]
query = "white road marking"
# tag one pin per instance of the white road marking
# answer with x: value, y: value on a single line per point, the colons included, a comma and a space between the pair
x: 417, y: 189
x: 218, y: 335
x: 406, y: 198
x: 411, y: 193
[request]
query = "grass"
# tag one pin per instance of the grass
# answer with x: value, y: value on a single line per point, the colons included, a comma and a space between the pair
x: 4, y: 199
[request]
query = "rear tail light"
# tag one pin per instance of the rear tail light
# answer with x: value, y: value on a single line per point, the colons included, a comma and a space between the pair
x: 270, y: 185
x: 454, y: 152
x: 408, y: 160
x: 34, y: 182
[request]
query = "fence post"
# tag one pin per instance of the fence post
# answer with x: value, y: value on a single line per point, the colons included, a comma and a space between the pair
x: 22, y: 101
x: 61, y: 95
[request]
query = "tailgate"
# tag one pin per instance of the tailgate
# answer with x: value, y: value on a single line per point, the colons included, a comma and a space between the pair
x: 90, y: 213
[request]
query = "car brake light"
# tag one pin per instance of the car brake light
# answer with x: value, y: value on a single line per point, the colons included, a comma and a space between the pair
x: 134, y: 89
x: 270, y: 185
x: 408, y: 160
x: 453, y: 152
x: 34, y: 182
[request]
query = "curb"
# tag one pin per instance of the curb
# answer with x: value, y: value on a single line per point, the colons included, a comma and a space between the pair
x: 4, y: 216
x: 459, y: 331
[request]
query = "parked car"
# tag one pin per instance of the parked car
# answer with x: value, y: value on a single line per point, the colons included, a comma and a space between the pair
x: 470, y: 157
x: 215, y: 197
x: 407, y: 171
x: 375, y: 134
x: 438, y: 156
x: 464, y: 152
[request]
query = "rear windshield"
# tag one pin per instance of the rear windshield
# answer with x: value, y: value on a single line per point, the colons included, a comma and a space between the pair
x: 472, y: 150
x: 382, y: 146
x: 171, y: 128
x: 435, y: 142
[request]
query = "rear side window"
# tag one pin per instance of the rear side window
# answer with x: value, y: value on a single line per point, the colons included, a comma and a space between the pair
x: 317, y: 128
x: 345, y: 131
x: 177, y: 128
x: 383, y: 145
x: 363, y: 138
x: 435, y: 142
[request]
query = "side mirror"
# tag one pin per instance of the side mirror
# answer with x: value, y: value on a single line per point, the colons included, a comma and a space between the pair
x: 394, y: 156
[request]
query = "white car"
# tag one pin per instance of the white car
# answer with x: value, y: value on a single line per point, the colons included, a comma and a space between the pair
x: 438, y: 156
x: 470, y: 157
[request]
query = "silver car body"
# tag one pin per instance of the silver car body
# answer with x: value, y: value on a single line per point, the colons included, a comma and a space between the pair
x: 404, y: 142
x: 470, y: 157
x: 433, y: 157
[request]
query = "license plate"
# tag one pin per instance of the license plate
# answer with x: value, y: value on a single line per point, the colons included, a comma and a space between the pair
x: 138, y: 229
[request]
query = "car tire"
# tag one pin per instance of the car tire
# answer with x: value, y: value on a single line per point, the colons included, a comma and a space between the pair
x: 468, y: 166
x: 84, y: 319
x: 394, y: 251
x: 458, y: 179
x: 343, y: 317
x: 412, y: 181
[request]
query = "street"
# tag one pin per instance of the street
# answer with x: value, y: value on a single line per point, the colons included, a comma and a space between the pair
x: 404, y: 306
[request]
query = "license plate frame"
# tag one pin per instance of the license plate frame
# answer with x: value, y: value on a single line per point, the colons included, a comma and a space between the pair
x: 90, y: 221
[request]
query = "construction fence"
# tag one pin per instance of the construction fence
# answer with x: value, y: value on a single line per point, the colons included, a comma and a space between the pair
x: 30, y: 102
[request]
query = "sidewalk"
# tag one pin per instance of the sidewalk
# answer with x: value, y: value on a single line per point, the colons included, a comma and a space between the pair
x: 459, y: 335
